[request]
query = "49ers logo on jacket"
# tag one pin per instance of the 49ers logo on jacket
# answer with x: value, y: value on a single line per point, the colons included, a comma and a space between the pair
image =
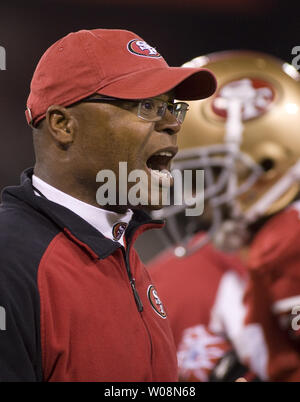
x: 118, y: 229
x: 141, y: 48
x: 156, y: 302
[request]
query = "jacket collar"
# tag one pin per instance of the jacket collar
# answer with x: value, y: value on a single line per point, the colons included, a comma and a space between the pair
x: 111, y: 224
x: 73, y: 225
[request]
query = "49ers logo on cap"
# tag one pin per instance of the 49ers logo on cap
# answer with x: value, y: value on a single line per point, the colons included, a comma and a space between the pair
x: 254, y: 95
x: 118, y: 229
x: 141, y: 48
x: 156, y: 302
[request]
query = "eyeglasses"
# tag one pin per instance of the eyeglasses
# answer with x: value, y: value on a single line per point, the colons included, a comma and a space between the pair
x: 152, y: 109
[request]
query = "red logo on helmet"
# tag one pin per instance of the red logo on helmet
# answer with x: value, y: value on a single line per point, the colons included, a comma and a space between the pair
x: 118, y: 229
x: 156, y: 302
x: 141, y: 48
x: 255, y: 97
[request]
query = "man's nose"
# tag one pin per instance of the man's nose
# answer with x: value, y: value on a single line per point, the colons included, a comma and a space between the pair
x: 168, y: 124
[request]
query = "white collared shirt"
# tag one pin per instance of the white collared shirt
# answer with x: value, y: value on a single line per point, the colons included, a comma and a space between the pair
x: 102, y: 220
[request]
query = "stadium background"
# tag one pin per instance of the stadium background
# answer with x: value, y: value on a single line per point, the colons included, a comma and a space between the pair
x: 179, y: 29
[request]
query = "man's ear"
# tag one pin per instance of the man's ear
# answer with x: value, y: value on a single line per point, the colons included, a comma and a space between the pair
x: 61, y: 124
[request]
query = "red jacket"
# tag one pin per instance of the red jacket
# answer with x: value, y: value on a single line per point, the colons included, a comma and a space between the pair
x: 78, y: 306
x: 273, y: 292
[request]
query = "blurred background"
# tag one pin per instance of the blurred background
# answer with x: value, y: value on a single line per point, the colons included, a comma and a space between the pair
x: 179, y: 29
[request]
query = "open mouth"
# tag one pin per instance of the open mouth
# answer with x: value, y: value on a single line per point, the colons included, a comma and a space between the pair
x: 159, y: 163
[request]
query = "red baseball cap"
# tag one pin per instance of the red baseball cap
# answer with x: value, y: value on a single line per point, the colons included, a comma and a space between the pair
x: 109, y: 62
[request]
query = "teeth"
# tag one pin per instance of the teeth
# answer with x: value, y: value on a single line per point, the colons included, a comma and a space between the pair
x: 164, y: 153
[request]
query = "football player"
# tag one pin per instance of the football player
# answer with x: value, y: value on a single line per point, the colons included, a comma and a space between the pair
x: 245, y: 298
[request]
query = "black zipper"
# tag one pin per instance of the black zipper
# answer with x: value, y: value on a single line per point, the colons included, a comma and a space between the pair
x: 137, y: 298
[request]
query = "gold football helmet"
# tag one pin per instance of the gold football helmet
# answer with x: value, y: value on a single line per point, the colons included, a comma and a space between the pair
x: 250, y: 130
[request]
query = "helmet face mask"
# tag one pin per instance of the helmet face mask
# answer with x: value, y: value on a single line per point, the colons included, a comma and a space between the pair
x: 250, y: 131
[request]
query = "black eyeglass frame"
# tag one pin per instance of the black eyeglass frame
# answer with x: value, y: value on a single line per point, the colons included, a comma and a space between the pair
x: 138, y: 101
